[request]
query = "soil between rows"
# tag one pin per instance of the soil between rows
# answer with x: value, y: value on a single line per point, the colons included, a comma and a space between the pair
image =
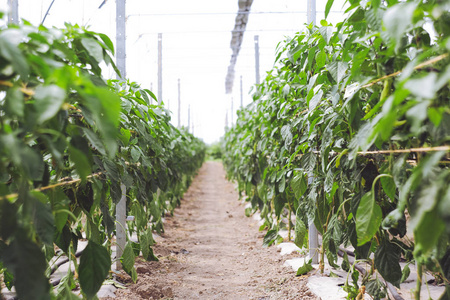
x: 210, y: 250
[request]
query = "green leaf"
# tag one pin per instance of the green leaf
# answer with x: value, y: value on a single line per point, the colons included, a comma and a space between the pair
x: 14, y: 102
x: 135, y: 154
x: 82, y: 164
x: 94, y: 140
x: 327, y: 33
x: 435, y: 115
x: 398, y: 19
x: 298, y: 185
x: 387, y: 263
x: 128, y: 258
x: 328, y: 7
x: 300, y: 232
x: 43, y: 220
x: 376, y: 289
x: 12, y: 53
x: 424, y: 238
x: 422, y: 87
x: 107, y: 42
x: 93, y: 48
x: 48, y: 101
x: 389, y: 187
x: 95, y: 263
x: 368, y: 218
x: 286, y: 135
x: 337, y: 70
x: 151, y: 256
x: 270, y: 237
x: 8, y: 219
x: 405, y: 273
x: 321, y: 59
x: 32, y: 163
x: 27, y: 263
x: 307, y: 266
x: 105, y: 108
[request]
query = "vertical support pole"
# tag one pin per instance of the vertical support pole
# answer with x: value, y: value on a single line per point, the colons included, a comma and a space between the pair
x: 257, y: 58
x: 189, y: 117
x: 159, y: 68
x: 313, y: 236
x: 121, y: 38
x: 179, y: 103
x: 226, y: 121
x: 121, y: 216
x: 311, y: 12
x: 13, y: 15
x: 242, y: 97
x: 232, y: 112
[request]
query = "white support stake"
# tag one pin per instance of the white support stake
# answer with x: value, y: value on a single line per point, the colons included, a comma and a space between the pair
x: 313, y: 236
x: 121, y: 235
x: 13, y: 14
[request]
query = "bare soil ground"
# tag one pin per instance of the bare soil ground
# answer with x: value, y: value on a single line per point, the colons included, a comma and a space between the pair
x: 210, y: 250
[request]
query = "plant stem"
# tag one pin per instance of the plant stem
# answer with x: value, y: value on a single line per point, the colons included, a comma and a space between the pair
x: 419, y: 281
x: 289, y: 223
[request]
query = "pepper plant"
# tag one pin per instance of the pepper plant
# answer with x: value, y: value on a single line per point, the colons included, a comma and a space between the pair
x: 68, y: 140
x: 361, y: 111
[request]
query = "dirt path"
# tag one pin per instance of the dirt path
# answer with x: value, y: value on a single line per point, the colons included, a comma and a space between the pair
x: 210, y: 250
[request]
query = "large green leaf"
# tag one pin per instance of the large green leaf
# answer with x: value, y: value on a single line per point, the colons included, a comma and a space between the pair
x: 368, y: 218
x: 43, y: 219
x: 300, y: 232
x: 298, y: 185
x: 48, y: 101
x: 14, y: 102
x: 127, y: 258
x: 328, y: 7
x: 27, y: 263
x: 10, y: 51
x: 387, y: 258
x: 326, y: 32
x: 95, y: 263
x: 398, y: 19
x: 93, y: 47
x: 388, y: 185
x: 338, y: 70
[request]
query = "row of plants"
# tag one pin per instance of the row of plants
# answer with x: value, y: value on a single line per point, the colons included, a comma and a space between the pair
x: 350, y: 131
x: 68, y: 140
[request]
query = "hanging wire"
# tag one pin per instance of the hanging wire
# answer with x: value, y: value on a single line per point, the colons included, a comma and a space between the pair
x: 48, y: 10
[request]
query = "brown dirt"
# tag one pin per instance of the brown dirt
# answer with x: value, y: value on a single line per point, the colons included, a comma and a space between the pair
x: 210, y: 250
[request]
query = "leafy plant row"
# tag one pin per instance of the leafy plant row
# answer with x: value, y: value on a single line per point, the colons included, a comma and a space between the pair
x: 68, y: 140
x: 378, y: 81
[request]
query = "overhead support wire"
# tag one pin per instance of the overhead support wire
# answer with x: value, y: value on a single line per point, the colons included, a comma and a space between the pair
x: 48, y: 11
x: 237, y: 35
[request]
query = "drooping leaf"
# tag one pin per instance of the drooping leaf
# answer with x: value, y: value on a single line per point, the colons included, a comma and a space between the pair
x: 127, y: 258
x: 326, y: 32
x: 298, y: 185
x: 48, y: 101
x: 398, y: 19
x: 27, y: 263
x: 307, y: 266
x: 368, y: 218
x: 270, y: 237
x: 388, y: 185
x: 93, y: 48
x: 10, y: 51
x: 328, y: 7
x: 387, y: 263
x: 95, y: 263
x: 300, y: 232
x: 338, y: 70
